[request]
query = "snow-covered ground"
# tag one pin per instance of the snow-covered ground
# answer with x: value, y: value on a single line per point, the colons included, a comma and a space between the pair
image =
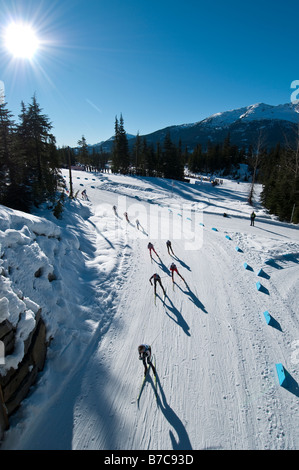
x: 215, y: 354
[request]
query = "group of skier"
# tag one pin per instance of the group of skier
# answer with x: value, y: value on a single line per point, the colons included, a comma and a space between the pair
x: 173, y: 268
x: 144, y: 350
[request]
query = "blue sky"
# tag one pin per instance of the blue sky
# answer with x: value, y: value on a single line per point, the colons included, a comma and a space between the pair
x: 159, y: 63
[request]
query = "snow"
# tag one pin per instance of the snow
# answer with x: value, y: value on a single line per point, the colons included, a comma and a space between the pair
x: 259, y: 111
x: 215, y: 354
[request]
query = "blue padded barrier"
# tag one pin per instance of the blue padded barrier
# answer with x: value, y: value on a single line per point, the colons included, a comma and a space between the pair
x: 267, y: 317
x: 281, y: 373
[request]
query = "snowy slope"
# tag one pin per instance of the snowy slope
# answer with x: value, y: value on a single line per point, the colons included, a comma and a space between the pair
x: 217, y: 384
x: 255, y: 112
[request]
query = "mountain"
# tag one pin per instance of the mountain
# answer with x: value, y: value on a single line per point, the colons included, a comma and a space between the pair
x: 106, y: 145
x: 245, y: 125
x: 272, y: 124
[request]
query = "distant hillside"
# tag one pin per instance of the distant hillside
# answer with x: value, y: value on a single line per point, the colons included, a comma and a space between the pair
x: 273, y: 124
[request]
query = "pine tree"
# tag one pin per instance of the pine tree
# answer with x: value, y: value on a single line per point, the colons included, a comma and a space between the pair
x: 195, y: 160
x: 280, y: 181
x: 151, y: 160
x: 83, y: 155
x: 115, y: 151
x: 8, y: 172
x: 173, y: 167
x: 137, y: 154
x: 123, y: 147
x: 39, y: 153
x: 120, y: 154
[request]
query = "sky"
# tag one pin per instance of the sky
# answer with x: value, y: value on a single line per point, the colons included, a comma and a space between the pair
x: 158, y: 63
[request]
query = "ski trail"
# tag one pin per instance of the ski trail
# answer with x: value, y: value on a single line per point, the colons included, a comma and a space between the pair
x: 219, y: 393
x: 216, y: 383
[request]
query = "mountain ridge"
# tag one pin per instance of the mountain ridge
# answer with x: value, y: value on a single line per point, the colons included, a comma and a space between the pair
x: 246, y: 125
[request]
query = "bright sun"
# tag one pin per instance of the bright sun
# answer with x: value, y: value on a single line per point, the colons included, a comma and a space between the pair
x: 21, y: 40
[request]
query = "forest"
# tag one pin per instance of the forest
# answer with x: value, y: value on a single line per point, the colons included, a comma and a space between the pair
x: 30, y: 163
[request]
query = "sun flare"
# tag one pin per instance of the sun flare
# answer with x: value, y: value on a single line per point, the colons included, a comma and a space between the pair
x: 21, y: 40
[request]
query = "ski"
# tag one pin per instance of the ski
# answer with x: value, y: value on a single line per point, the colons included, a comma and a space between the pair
x: 164, y: 298
x: 155, y: 378
x: 142, y: 385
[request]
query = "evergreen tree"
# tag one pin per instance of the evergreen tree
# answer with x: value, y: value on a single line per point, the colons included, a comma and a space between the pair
x: 83, y: 154
x: 115, y: 150
x: 280, y: 181
x: 8, y: 169
x: 195, y: 160
x: 137, y: 155
x: 151, y: 160
x: 40, y: 156
x: 173, y: 167
x: 123, y: 147
x: 120, y: 155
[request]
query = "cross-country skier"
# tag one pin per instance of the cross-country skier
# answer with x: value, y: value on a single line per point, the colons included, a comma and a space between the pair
x: 252, y: 217
x: 156, y: 279
x: 145, y: 355
x: 169, y: 247
x: 151, y: 248
x: 126, y: 216
x: 174, y: 269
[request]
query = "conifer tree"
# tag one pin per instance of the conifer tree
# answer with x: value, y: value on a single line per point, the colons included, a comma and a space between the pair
x: 195, y: 160
x: 115, y: 150
x: 83, y: 155
x: 123, y: 147
x: 39, y: 152
x: 120, y: 154
x: 173, y: 167
x: 8, y: 170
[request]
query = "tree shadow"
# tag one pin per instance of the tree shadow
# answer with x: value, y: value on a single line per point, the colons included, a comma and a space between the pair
x: 182, y: 442
x: 100, y: 233
x: 141, y: 229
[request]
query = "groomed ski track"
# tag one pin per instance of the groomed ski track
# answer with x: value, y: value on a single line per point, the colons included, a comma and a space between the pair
x: 216, y: 381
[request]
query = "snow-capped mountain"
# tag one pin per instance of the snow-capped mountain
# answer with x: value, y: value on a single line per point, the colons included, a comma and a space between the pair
x: 255, y: 112
x: 272, y: 124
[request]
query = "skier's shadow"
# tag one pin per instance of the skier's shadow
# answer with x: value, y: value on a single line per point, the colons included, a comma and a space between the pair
x: 193, y: 298
x: 117, y: 215
x: 182, y: 263
x: 162, y: 265
x: 130, y: 223
x: 142, y: 230
x: 179, y: 318
x: 182, y: 442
